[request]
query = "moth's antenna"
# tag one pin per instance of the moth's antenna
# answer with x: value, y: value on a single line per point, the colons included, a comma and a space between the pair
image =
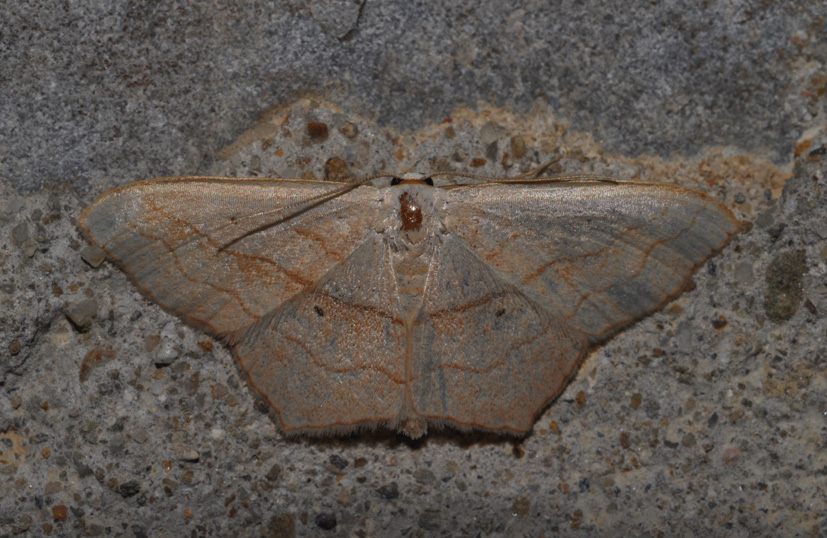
x: 301, y: 207
x: 533, y: 174
x: 537, y: 172
x: 531, y: 177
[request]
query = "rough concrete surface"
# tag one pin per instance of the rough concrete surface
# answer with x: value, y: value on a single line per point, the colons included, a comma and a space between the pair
x: 707, y: 418
x: 133, y: 89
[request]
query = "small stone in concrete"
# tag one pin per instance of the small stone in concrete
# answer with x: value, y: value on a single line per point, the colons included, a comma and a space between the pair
x: 389, y: 491
x: 93, y: 255
x: 784, y: 292
x: 166, y: 354
x: 744, y: 274
x: 326, y: 521
x: 81, y: 314
x: 20, y: 234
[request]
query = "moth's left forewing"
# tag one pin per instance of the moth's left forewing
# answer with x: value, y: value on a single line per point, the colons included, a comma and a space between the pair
x: 224, y: 252
x: 596, y: 253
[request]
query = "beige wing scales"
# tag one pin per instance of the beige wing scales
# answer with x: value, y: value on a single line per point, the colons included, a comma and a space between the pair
x: 485, y: 354
x: 223, y: 252
x: 299, y: 277
x: 333, y: 358
x: 595, y: 254
x: 528, y: 275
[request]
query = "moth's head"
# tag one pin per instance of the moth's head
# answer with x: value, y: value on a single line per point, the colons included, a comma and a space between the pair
x: 412, y: 178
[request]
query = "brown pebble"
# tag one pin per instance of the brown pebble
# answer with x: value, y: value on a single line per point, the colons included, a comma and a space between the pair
x: 14, y: 347
x: 521, y: 507
x: 518, y: 147
x: 580, y: 399
x: 635, y: 400
x: 625, y: 440
x: 579, y: 155
x: 59, y: 512
x: 506, y: 160
x: 350, y: 130
x: 317, y: 131
x: 344, y: 498
x: 57, y: 291
x: 129, y: 489
x: 477, y: 162
x: 731, y: 456
x: 95, y: 358
x: 335, y: 169
x: 274, y: 473
x: 811, y: 308
x: 282, y: 526
x: 151, y: 342
x: 193, y: 384
x: 719, y: 323
x: 219, y: 391
x: 20, y: 234
x: 576, y: 520
x: 554, y: 427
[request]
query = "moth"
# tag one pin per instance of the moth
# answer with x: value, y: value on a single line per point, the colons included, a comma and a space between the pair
x: 408, y: 305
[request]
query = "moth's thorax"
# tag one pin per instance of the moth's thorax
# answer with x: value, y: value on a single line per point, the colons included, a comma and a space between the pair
x: 415, y: 216
x: 410, y: 212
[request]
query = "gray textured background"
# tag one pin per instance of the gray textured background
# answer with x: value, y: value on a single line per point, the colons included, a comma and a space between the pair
x: 707, y: 418
x: 130, y: 90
